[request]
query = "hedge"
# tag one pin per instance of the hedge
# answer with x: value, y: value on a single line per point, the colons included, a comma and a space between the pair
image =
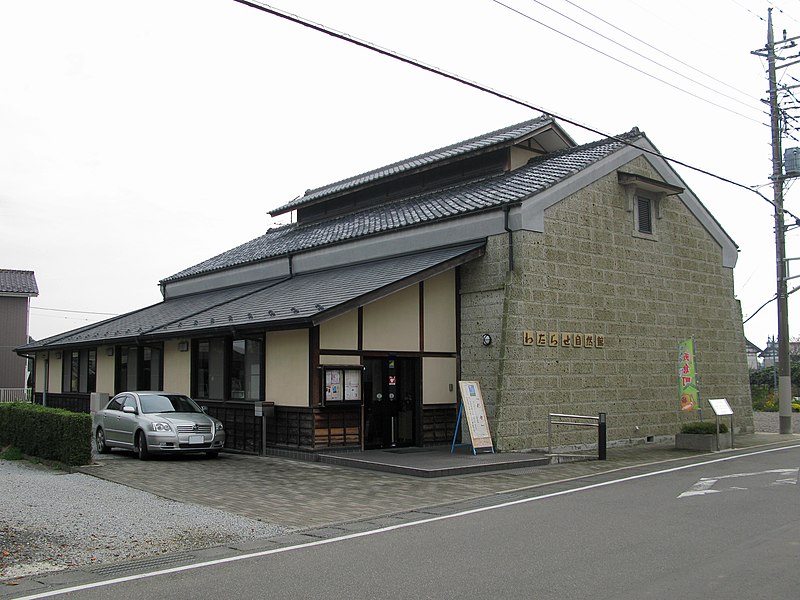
x: 47, y: 433
x: 703, y: 427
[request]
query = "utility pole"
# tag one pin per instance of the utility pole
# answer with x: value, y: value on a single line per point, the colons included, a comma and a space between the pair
x: 784, y: 365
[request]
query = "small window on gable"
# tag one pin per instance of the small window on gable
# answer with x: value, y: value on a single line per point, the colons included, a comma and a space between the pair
x: 645, y: 197
x: 644, y: 215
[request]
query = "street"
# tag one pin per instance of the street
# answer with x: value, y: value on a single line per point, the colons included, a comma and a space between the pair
x: 726, y: 527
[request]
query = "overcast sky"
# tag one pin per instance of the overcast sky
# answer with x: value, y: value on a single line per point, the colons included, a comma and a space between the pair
x: 140, y: 138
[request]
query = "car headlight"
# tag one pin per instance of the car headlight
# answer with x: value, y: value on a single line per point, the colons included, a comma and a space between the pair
x: 219, y: 425
x: 160, y: 427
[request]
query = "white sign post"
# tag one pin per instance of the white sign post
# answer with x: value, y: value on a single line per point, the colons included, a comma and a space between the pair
x: 721, y: 408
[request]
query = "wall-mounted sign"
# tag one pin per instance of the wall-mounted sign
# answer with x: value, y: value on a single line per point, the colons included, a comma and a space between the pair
x: 569, y: 339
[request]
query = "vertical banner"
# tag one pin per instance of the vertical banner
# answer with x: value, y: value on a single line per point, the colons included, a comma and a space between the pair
x: 687, y: 375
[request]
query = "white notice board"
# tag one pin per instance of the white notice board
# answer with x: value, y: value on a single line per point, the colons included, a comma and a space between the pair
x: 720, y: 407
x: 475, y: 413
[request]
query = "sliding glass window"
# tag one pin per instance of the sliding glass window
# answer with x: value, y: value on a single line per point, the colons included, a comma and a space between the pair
x: 228, y: 369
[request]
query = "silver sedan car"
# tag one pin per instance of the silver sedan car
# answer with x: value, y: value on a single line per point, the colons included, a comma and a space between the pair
x: 148, y: 422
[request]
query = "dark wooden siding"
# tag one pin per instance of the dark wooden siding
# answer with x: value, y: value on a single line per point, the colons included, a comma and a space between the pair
x: 438, y: 423
x: 288, y: 427
x: 242, y: 427
x: 74, y: 402
x: 337, y: 427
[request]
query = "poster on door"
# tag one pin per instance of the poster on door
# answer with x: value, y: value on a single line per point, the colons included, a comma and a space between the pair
x: 475, y: 414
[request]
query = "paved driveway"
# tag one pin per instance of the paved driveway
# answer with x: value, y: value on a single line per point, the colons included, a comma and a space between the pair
x: 298, y: 494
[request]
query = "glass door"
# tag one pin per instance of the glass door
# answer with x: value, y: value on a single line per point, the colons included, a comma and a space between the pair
x: 391, y: 394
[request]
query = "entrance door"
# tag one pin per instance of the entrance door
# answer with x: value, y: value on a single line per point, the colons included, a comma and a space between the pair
x: 391, y: 396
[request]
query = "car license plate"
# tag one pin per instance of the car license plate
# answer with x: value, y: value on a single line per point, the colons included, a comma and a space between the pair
x: 196, y: 439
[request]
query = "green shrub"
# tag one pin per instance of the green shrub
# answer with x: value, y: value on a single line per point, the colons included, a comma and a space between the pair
x: 703, y: 427
x: 11, y: 453
x: 47, y: 433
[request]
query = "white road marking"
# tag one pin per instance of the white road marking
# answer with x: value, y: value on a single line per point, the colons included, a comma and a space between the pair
x: 705, y: 485
x: 351, y: 536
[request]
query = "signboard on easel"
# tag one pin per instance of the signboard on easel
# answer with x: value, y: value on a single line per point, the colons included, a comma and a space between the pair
x: 473, y: 409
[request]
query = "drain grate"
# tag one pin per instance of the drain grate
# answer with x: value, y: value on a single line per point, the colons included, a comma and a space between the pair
x: 142, y: 565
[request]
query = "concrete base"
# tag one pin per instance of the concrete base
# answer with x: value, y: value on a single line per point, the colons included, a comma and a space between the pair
x: 705, y: 442
x: 434, y: 461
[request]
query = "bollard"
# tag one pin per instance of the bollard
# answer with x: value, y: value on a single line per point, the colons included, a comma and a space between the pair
x: 601, y: 436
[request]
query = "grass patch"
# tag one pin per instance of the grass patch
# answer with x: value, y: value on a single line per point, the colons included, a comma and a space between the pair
x: 11, y: 453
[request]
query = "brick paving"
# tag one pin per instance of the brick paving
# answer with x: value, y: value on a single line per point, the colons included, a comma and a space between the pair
x: 300, y: 495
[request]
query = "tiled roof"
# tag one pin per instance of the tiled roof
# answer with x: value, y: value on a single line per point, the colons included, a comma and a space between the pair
x: 18, y: 282
x: 494, y: 139
x: 144, y: 320
x: 297, y: 299
x: 482, y: 194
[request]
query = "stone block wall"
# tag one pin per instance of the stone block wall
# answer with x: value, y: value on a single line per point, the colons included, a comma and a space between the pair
x: 590, y: 274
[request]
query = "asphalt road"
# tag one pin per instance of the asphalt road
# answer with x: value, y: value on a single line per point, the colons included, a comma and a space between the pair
x: 726, y: 527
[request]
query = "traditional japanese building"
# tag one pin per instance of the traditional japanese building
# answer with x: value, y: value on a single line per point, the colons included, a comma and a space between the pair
x: 560, y: 277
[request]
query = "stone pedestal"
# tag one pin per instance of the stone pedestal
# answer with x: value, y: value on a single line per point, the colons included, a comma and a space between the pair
x: 702, y: 441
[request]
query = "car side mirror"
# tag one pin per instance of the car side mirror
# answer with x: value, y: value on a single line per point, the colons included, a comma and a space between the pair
x: 204, y: 409
x: 129, y: 409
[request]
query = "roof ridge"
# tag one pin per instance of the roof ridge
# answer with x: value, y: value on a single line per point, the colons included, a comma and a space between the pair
x: 435, y: 151
x: 621, y: 139
x: 310, y: 193
x: 413, y: 209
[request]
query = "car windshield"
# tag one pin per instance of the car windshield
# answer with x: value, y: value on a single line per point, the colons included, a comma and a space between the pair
x: 163, y: 403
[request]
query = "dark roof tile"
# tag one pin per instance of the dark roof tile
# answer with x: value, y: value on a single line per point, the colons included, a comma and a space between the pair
x: 18, y: 282
x: 482, y: 194
x: 299, y: 298
x: 480, y: 143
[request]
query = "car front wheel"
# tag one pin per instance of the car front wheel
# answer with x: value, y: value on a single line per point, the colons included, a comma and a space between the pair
x: 100, y: 441
x: 140, y: 447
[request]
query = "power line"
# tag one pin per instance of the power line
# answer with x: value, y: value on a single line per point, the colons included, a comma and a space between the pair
x: 79, y: 312
x: 622, y: 62
x: 668, y: 55
x: 768, y: 302
x: 640, y: 55
x: 780, y: 10
x: 477, y: 86
x: 743, y: 7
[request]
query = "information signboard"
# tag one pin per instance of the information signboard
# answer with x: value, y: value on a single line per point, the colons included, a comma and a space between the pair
x: 342, y: 384
x: 475, y: 414
x: 720, y: 406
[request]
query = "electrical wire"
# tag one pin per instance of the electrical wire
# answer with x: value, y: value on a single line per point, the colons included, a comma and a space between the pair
x: 743, y: 7
x: 780, y: 10
x: 79, y: 312
x: 640, y: 55
x: 768, y: 302
x: 622, y: 62
x: 668, y: 55
x: 262, y: 6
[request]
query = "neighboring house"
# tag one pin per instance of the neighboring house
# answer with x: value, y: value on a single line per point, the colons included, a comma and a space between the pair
x: 753, y: 355
x: 769, y: 354
x: 559, y: 276
x: 16, y: 290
